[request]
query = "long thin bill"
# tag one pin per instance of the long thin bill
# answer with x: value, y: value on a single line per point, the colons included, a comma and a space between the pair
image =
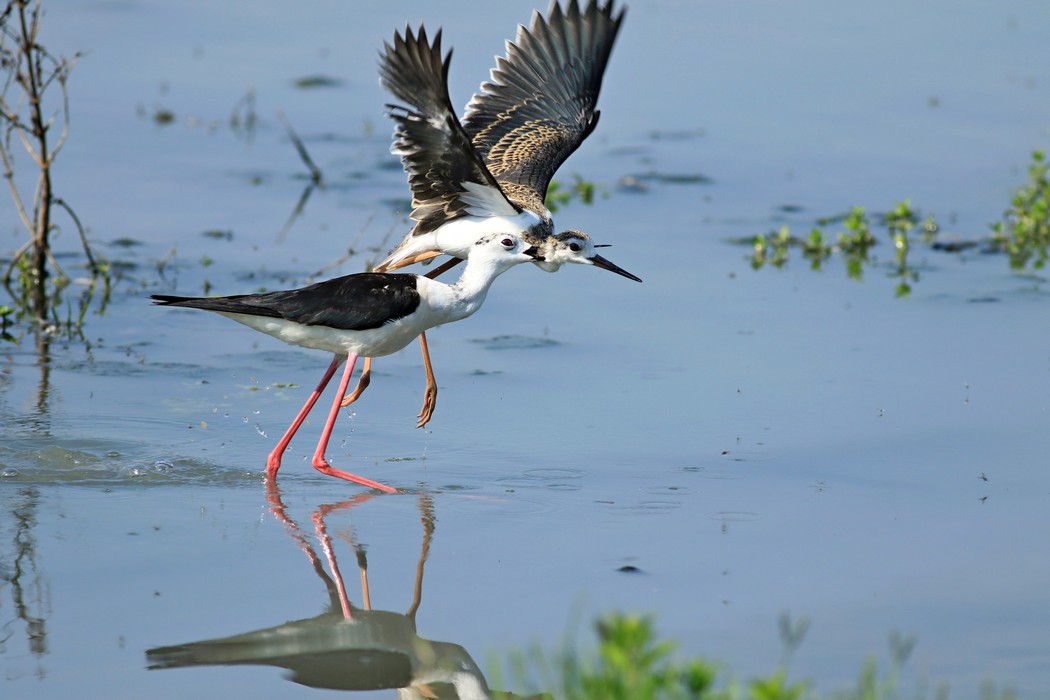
x: 601, y: 262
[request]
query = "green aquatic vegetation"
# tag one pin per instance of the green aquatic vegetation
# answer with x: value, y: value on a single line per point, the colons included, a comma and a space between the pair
x: 630, y: 662
x: 309, y: 82
x: 815, y: 248
x: 6, y: 318
x: 771, y: 249
x: 854, y: 243
x: 560, y: 194
x: 1024, y: 231
x: 163, y: 116
x: 899, y: 223
x: 1023, y: 235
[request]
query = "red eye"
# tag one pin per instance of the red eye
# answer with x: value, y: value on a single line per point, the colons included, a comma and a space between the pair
x: 508, y: 242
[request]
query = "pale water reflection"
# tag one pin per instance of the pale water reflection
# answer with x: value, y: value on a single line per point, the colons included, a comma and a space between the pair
x: 348, y: 647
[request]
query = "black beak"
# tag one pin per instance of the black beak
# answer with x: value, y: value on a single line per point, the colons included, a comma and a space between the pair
x: 534, y: 253
x: 601, y: 262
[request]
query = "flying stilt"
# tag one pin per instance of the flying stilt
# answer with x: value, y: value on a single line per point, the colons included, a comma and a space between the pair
x: 366, y: 314
x: 490, y: 172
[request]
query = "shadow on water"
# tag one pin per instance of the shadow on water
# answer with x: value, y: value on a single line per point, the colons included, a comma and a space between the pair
x: 348, y: 647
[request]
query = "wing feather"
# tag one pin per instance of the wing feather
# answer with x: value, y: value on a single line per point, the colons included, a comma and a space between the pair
x: 355, y: 302
x: 435, y: 150
x: 539, y: 103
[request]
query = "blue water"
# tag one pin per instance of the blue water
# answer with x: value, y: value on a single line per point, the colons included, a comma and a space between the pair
x: 753, y: 442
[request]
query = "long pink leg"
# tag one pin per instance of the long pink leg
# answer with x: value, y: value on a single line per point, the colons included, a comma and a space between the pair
x: 273, y: 462
x: 319, y: 462
x: 337, y: 576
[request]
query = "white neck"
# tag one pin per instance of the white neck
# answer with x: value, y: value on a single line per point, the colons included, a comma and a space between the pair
x: 468, y: 293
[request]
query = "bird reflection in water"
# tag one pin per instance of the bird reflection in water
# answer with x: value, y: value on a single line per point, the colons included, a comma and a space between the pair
x: 347, y: 647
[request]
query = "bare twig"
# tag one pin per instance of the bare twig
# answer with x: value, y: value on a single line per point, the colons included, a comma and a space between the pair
x: 9, y: 175
x: 297, y: 211
x: 315, y: 172
x: 19, y: 254
x: 315, y: 176
x: 242, y: 116
x: 92, y: 264
x: 29, y: 71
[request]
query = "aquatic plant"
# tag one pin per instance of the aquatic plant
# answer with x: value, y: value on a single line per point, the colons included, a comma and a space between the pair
x: 1024, y: 231
x: 632, y: 663
x: 31, y: 75
x: 1023, y: 234
x: 854, y: 243
x: 559, y: 194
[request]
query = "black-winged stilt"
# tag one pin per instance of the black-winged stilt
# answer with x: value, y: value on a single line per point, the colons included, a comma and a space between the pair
x: 366, y: 314
x: 490, y: 172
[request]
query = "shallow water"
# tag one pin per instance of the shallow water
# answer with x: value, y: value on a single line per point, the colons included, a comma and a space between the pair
x: 751, y: 442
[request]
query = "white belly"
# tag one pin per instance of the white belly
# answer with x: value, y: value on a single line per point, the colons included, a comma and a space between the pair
x: 374, y: 342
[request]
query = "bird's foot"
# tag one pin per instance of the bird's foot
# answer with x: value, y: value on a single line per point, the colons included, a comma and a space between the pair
x: 273, y: 463
x: 321, y: 465
x: 429, y: 404
x: 362, y: 384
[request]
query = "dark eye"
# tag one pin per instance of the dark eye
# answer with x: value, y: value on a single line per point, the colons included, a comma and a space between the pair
x: 508, y: 243
x: 575, y: 247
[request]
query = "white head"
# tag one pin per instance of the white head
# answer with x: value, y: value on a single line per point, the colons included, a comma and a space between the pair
x: 575, y: 247
x: 502, y: 251
x: 487, y: 259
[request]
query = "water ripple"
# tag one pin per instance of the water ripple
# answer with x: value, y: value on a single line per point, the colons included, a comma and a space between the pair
x: 102, y: 465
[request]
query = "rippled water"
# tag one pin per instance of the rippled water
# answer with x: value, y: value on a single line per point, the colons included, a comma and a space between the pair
x: 716, y: 446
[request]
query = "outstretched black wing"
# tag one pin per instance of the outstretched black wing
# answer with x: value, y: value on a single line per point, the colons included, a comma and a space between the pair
x: 435, y: 150
x: 539, y: 103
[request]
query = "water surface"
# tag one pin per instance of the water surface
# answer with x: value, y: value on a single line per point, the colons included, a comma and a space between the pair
x: 751, y: 442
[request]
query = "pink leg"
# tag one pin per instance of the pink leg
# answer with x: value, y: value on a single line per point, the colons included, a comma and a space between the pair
x: 326, y: 546
x: 273, y: 462
x: 319, y: 462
